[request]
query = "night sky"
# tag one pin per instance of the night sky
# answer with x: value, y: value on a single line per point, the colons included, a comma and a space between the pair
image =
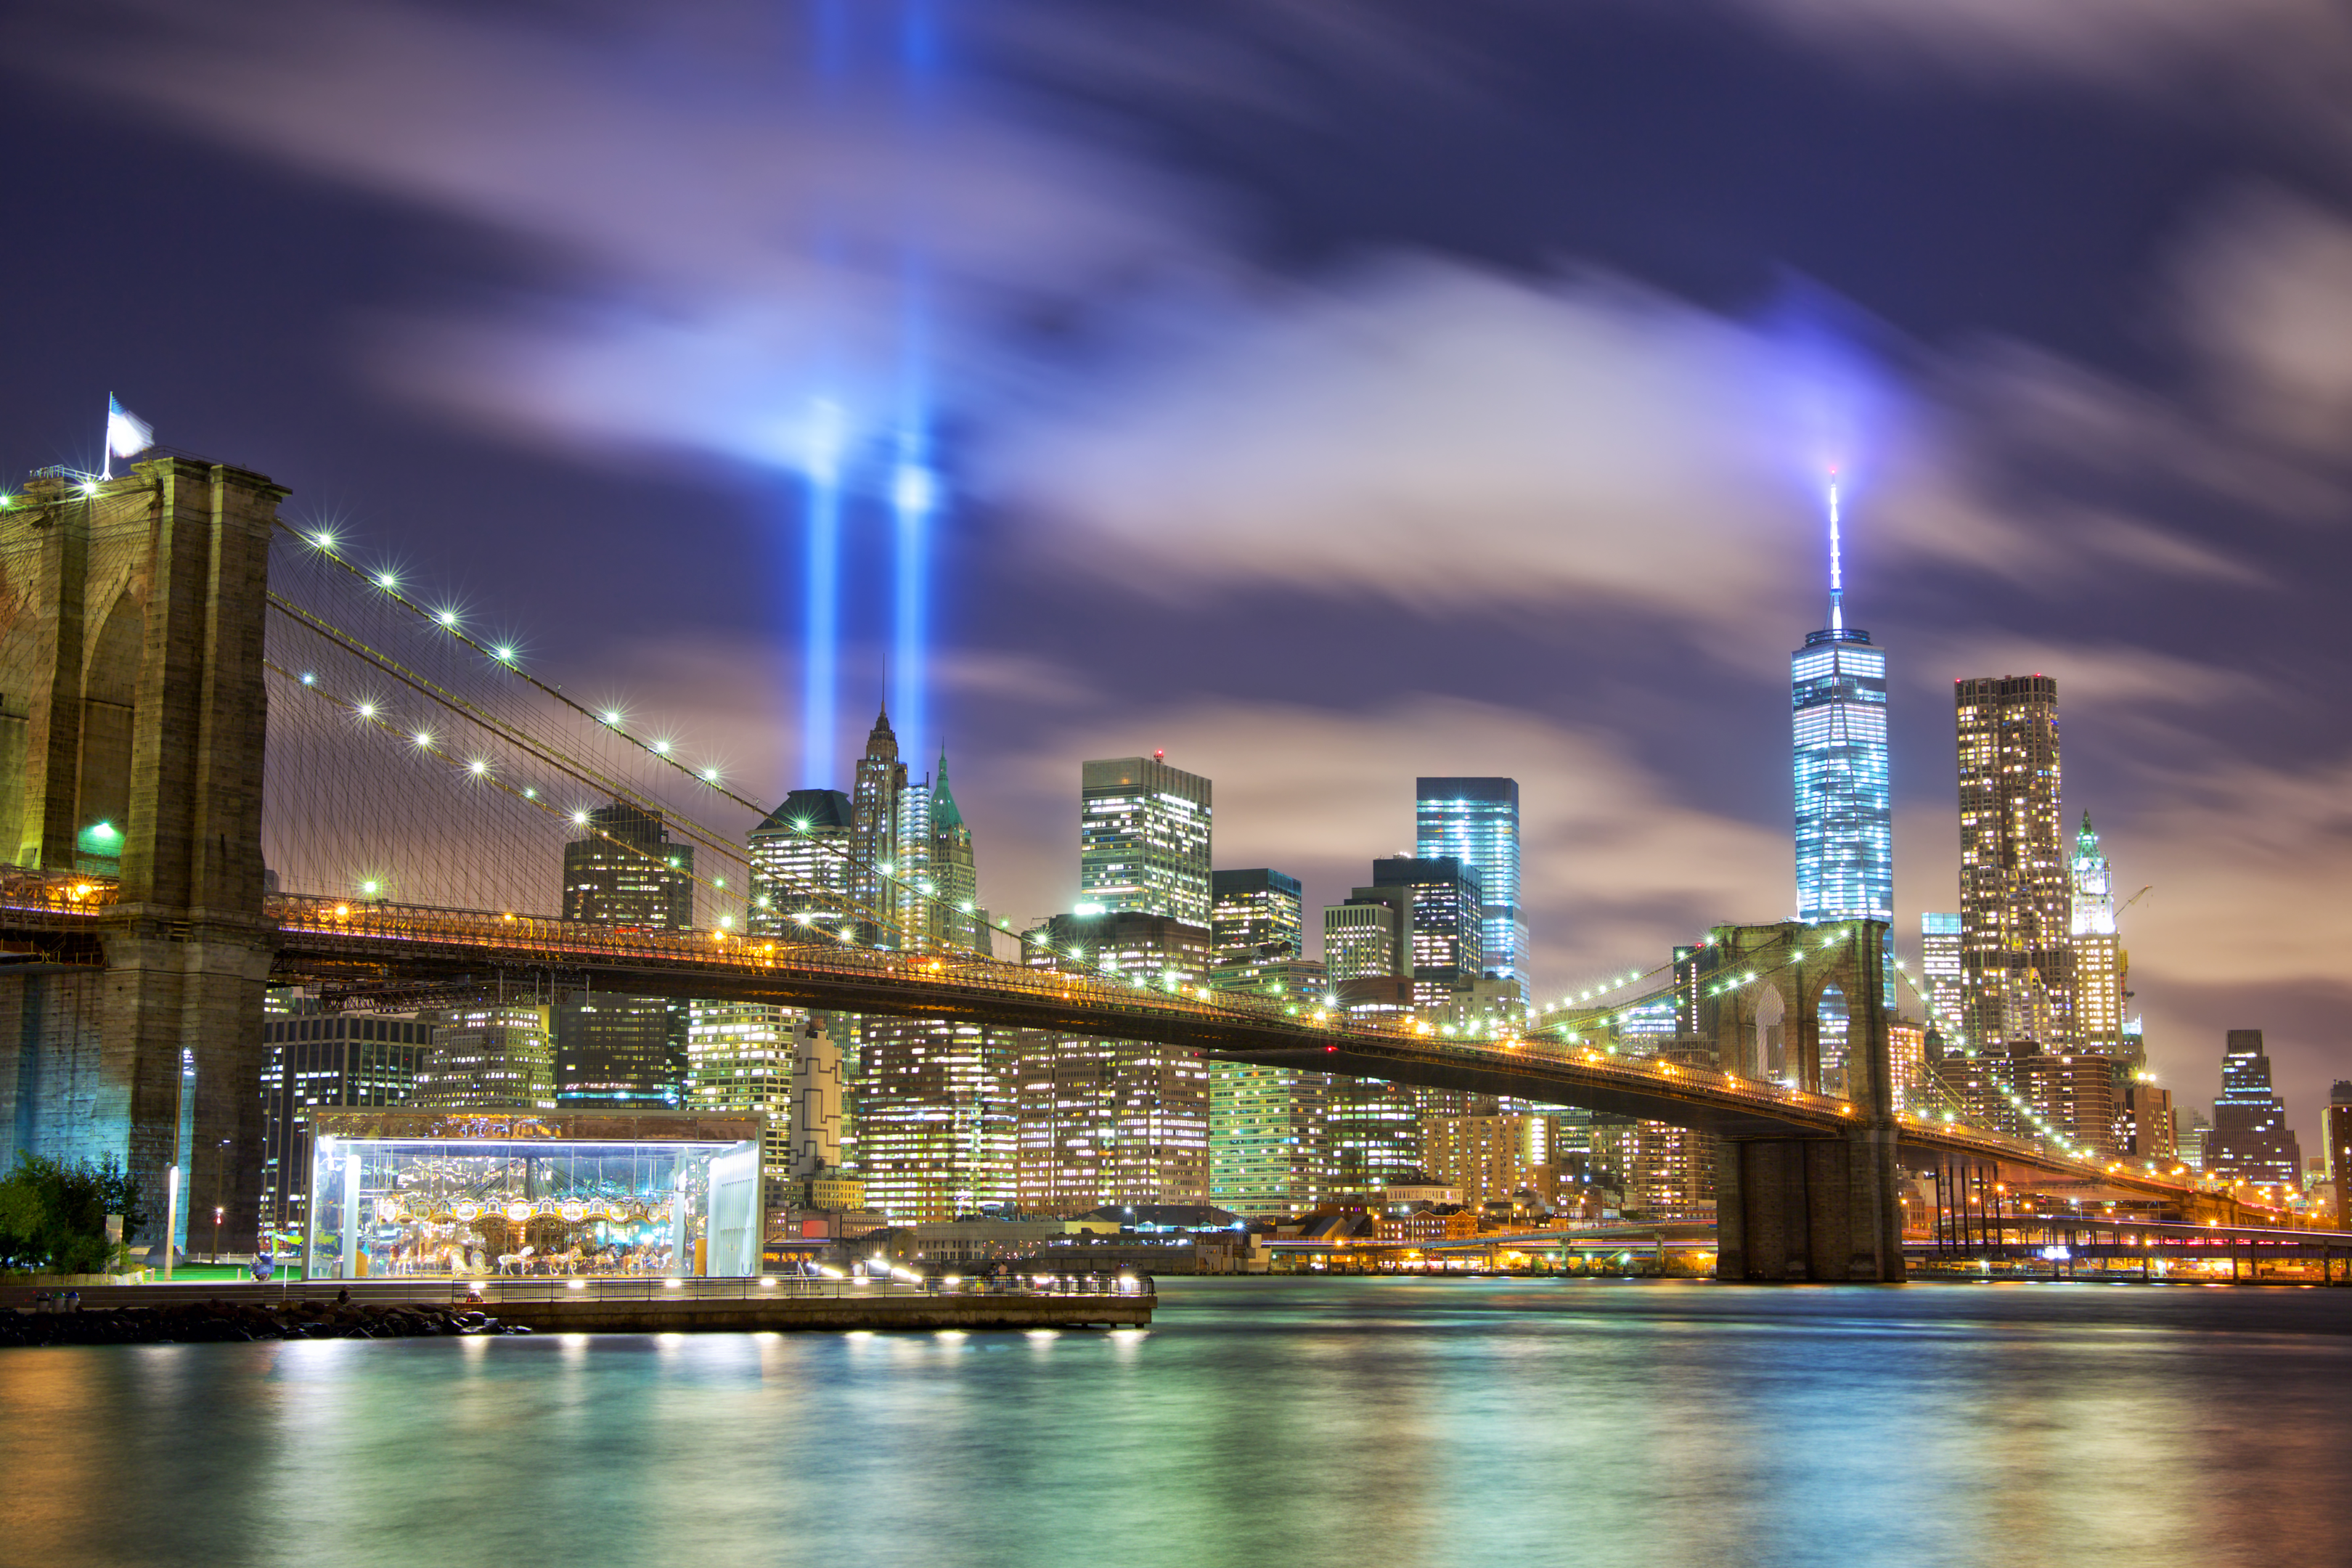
x: 1327, y: 393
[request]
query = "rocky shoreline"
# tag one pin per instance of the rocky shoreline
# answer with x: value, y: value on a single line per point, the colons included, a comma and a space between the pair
x: 233, y: 1322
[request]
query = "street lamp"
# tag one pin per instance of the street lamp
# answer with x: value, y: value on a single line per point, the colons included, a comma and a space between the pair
x: 217, y: 1219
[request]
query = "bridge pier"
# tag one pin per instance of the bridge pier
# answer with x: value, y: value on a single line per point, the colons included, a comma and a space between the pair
x: 135, y: 645
x: 1823, y: 1209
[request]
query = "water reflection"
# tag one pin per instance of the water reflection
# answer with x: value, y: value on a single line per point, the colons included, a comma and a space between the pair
x: 1339, y: 1422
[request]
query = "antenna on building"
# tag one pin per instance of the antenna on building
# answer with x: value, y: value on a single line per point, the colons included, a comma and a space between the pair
x: 1837, y: 567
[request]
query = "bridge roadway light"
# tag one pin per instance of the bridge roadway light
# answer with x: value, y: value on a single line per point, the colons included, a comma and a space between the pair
x: 366, y: 710
x: 447, y: 617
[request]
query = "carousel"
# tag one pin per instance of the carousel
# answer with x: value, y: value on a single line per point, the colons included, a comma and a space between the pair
x: 520, y: 1196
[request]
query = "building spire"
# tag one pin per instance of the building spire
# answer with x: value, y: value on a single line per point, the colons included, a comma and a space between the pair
x: 1837, y: 567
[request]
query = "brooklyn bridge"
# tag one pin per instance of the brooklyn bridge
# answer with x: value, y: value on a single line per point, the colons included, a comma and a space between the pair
x: 237, y: 760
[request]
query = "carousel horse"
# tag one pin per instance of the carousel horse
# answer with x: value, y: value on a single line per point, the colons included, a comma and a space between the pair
x: 567, y: 1262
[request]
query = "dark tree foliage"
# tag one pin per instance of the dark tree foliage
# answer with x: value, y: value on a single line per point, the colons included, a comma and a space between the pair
x: 53, y: 1214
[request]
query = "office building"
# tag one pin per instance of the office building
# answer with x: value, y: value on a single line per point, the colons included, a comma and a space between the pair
x: 1940, y: 976
x: 1267, y: 1153
x: 490, y: 1057
x: 1368, y: 937
x: 2250, y: 1143
x: 321, y: 1060
x: 2100, y: 963
x: 952, y: 873
x: 1846, y: 824
x: 1476, y: 822
x: 1445, y: 929
x: 612, y: 1050
x: 616, y: 1052
x: 2337, y: 1126
x: 1143, y: 840
x: 2145, y: 1130
x: 2016, y: 893
x: 938, y: 1112
x: 739, y: 1057
x: 878, y: 816
x: 622, y: 870
x: 1256, y: 916
x: 801, y: 856
x: 1113, y: 1121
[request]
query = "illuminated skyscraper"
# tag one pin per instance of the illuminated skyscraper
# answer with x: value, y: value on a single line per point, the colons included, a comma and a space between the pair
x: 1476, y: 822
x: 877, y: 819
x: 2251, y: 1141
x: 1143, y: 839
x: 957, y: 919
x: 800, y: 867
x: 1256, y: 917
x: 2100, y: 962
x: 1845, y: 833
x: 2016, y: 897
x: 1446, y: 926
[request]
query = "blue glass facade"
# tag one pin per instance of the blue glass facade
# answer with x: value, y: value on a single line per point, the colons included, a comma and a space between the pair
x: 1845, y: 833
x: 1476, y: 822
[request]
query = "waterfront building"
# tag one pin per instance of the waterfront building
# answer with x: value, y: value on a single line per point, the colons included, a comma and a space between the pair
x: 2016, y: 897
x: 320, y: 1059
x: 1269, y: 1152
x: 2250, y: 1143
x: 1143, y: 839
x: 2338, y: 1093
x: 878, y: 816
x: 938, y: 1112
x: 1939, y: 972
x: 1845, y: 832
x: 800, y: 858
x: 2100, y: 963
x: 1109, y: 1121
x: 1490, y: 1152
x: 489, y: 1055
x: 1476, y: 821
x: 1373, y: 1130
x: 1664, y: 1173
x: 739, y: 1057
x: 1445, y: 929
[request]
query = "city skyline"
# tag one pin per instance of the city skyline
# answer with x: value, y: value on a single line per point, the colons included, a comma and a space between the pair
x: 1305, y: 558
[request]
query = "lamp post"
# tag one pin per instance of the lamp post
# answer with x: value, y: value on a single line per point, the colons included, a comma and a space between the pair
x: 220, y: 1161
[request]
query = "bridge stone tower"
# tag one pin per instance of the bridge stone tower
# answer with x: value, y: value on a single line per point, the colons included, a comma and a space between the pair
x: 132, y: 728
x: 1821, y: 1208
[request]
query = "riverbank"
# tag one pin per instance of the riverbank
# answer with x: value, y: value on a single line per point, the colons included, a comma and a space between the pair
x: 160, y: 1314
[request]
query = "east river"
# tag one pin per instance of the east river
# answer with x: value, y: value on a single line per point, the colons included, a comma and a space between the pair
x: 1360, y: 1423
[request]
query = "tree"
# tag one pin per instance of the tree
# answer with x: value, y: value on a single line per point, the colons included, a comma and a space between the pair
x: 53, y: 1214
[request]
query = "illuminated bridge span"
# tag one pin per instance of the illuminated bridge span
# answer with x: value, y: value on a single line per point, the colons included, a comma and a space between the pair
x: 187, y: 654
